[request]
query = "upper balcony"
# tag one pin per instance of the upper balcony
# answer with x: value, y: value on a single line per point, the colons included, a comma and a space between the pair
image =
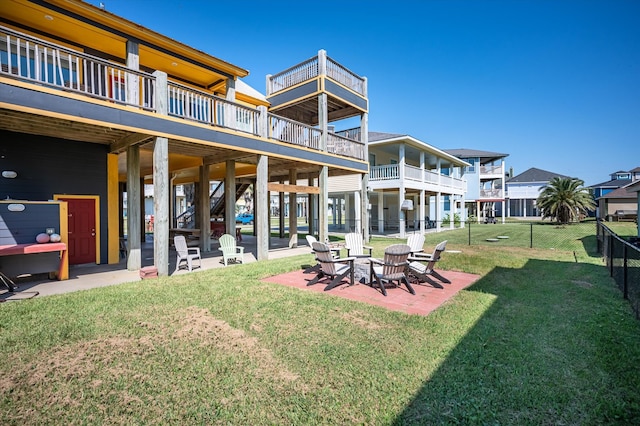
x: 28, y: 62
x: 391, y: 175
x: 491, y: 171
x: 293, y: 93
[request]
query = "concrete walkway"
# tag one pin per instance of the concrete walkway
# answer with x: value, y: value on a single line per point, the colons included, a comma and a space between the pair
x: 84, y: 277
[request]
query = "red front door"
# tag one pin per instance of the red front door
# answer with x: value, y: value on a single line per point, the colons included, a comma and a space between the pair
x: 82, y: 230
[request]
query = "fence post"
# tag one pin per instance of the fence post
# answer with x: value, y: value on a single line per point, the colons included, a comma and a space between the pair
x: 531, y: 235
x: 625, y: 291
x: 610, y: 255
x: 469, y: 225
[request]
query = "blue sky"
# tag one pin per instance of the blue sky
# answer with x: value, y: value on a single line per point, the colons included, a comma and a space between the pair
x: 553, y: 83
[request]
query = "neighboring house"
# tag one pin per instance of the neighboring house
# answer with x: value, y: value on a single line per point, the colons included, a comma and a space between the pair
x: 634, y: 188
x: 485, y: 176
x: 617, y: 203
x: 523, y: 191
x: 94, y: 105
x: 403, y: 169
x: 619, y: 179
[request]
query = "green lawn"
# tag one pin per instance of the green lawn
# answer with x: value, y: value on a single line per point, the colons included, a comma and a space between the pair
x: 544, y: 337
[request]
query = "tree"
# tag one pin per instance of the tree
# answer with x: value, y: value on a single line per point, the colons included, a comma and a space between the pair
x: 563, y: 199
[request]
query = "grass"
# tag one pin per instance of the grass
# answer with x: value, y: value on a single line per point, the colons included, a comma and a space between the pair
x: 540, y: 339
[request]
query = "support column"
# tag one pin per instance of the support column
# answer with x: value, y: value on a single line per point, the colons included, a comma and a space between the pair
x: 204, y: 216
x: 161, y: 184
x: 261, y: 210
x: 421, y: 211
x: 438, y: 211
x: 230, y: 197
x: 380, y: 212
x: 323, y: 179
x: 281, y: 214
x: 293, y: 210
x: 161, y: 205
x: 133, y: 62
x: 134, y: 260
x: 401, y: 190
x: 357, y: 207
x: 364, y: 184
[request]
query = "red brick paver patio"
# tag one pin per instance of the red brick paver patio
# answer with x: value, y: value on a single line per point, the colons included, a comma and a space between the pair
x: 426, y: 299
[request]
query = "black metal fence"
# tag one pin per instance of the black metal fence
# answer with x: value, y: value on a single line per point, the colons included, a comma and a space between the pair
x: 622, y: 258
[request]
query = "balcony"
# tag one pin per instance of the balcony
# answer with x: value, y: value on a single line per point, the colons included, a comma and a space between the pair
x: 495, y: 171
x: 389, y: 176
x: 31, y: 60
x: 293, y: 93
x: 491, y: 194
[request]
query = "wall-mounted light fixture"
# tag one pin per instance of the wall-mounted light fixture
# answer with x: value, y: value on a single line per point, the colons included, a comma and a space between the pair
x: 9, y: 174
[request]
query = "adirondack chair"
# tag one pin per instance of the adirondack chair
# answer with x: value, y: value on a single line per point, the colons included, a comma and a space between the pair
x: 229, y: 249
x: 416, y: 242
x: 335, y: 269
x: 186, y: 254
x: 353, y: 242
x: 391, y: 269
x: 421, y: 266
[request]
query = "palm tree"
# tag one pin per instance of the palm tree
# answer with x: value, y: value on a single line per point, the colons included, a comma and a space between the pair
x: 564, y: 199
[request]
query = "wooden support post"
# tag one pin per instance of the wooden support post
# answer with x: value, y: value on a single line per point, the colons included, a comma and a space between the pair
x: 293, y: 210
x: 134, y: 260
x: 261, y: 210
x: 205, y: 210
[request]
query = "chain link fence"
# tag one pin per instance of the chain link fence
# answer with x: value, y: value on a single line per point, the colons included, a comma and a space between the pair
x: 622, y: 257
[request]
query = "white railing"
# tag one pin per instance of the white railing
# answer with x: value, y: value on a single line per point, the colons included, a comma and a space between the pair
x: 292, y: 76
x: 491, y: 193
x: 46, y: 63
x: 491, y: 170
x: 293, y: 132
x: 345, y: 77
x: 413, y: 173
x: 343, y: 146
x: 192, y: 104
x: 386, y: 172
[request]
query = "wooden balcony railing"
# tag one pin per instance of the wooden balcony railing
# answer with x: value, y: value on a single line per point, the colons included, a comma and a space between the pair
x: 311, y: 68
x: 293, y: 132
x: 31, y: 59
x: 192, y: 104
x: 343, y: 146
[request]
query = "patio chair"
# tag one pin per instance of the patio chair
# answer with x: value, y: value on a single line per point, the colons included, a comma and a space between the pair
x: 416, y: 242
x: 353, y: 242
x: 391, y: 269
x: 185, y: 253
x: 421, y: 266
x: 335, y: 269
x: 229, y: 249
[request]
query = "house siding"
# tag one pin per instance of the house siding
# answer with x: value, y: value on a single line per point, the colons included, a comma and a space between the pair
x: 48, y: 166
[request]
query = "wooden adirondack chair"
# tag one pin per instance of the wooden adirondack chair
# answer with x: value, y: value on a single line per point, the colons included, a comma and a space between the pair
x: 335, y: 269
x: 391, y: 269
x: 353, y: 242
x: 229, y: 249
x: 421, y: 266
x: 416, y: 242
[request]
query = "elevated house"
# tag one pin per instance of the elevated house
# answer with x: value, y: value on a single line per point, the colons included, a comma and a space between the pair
x: 611, y: 195
x: 412, y: 186
x: 485, y: 176
x: 523, y: 191
x: 93, y: 105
